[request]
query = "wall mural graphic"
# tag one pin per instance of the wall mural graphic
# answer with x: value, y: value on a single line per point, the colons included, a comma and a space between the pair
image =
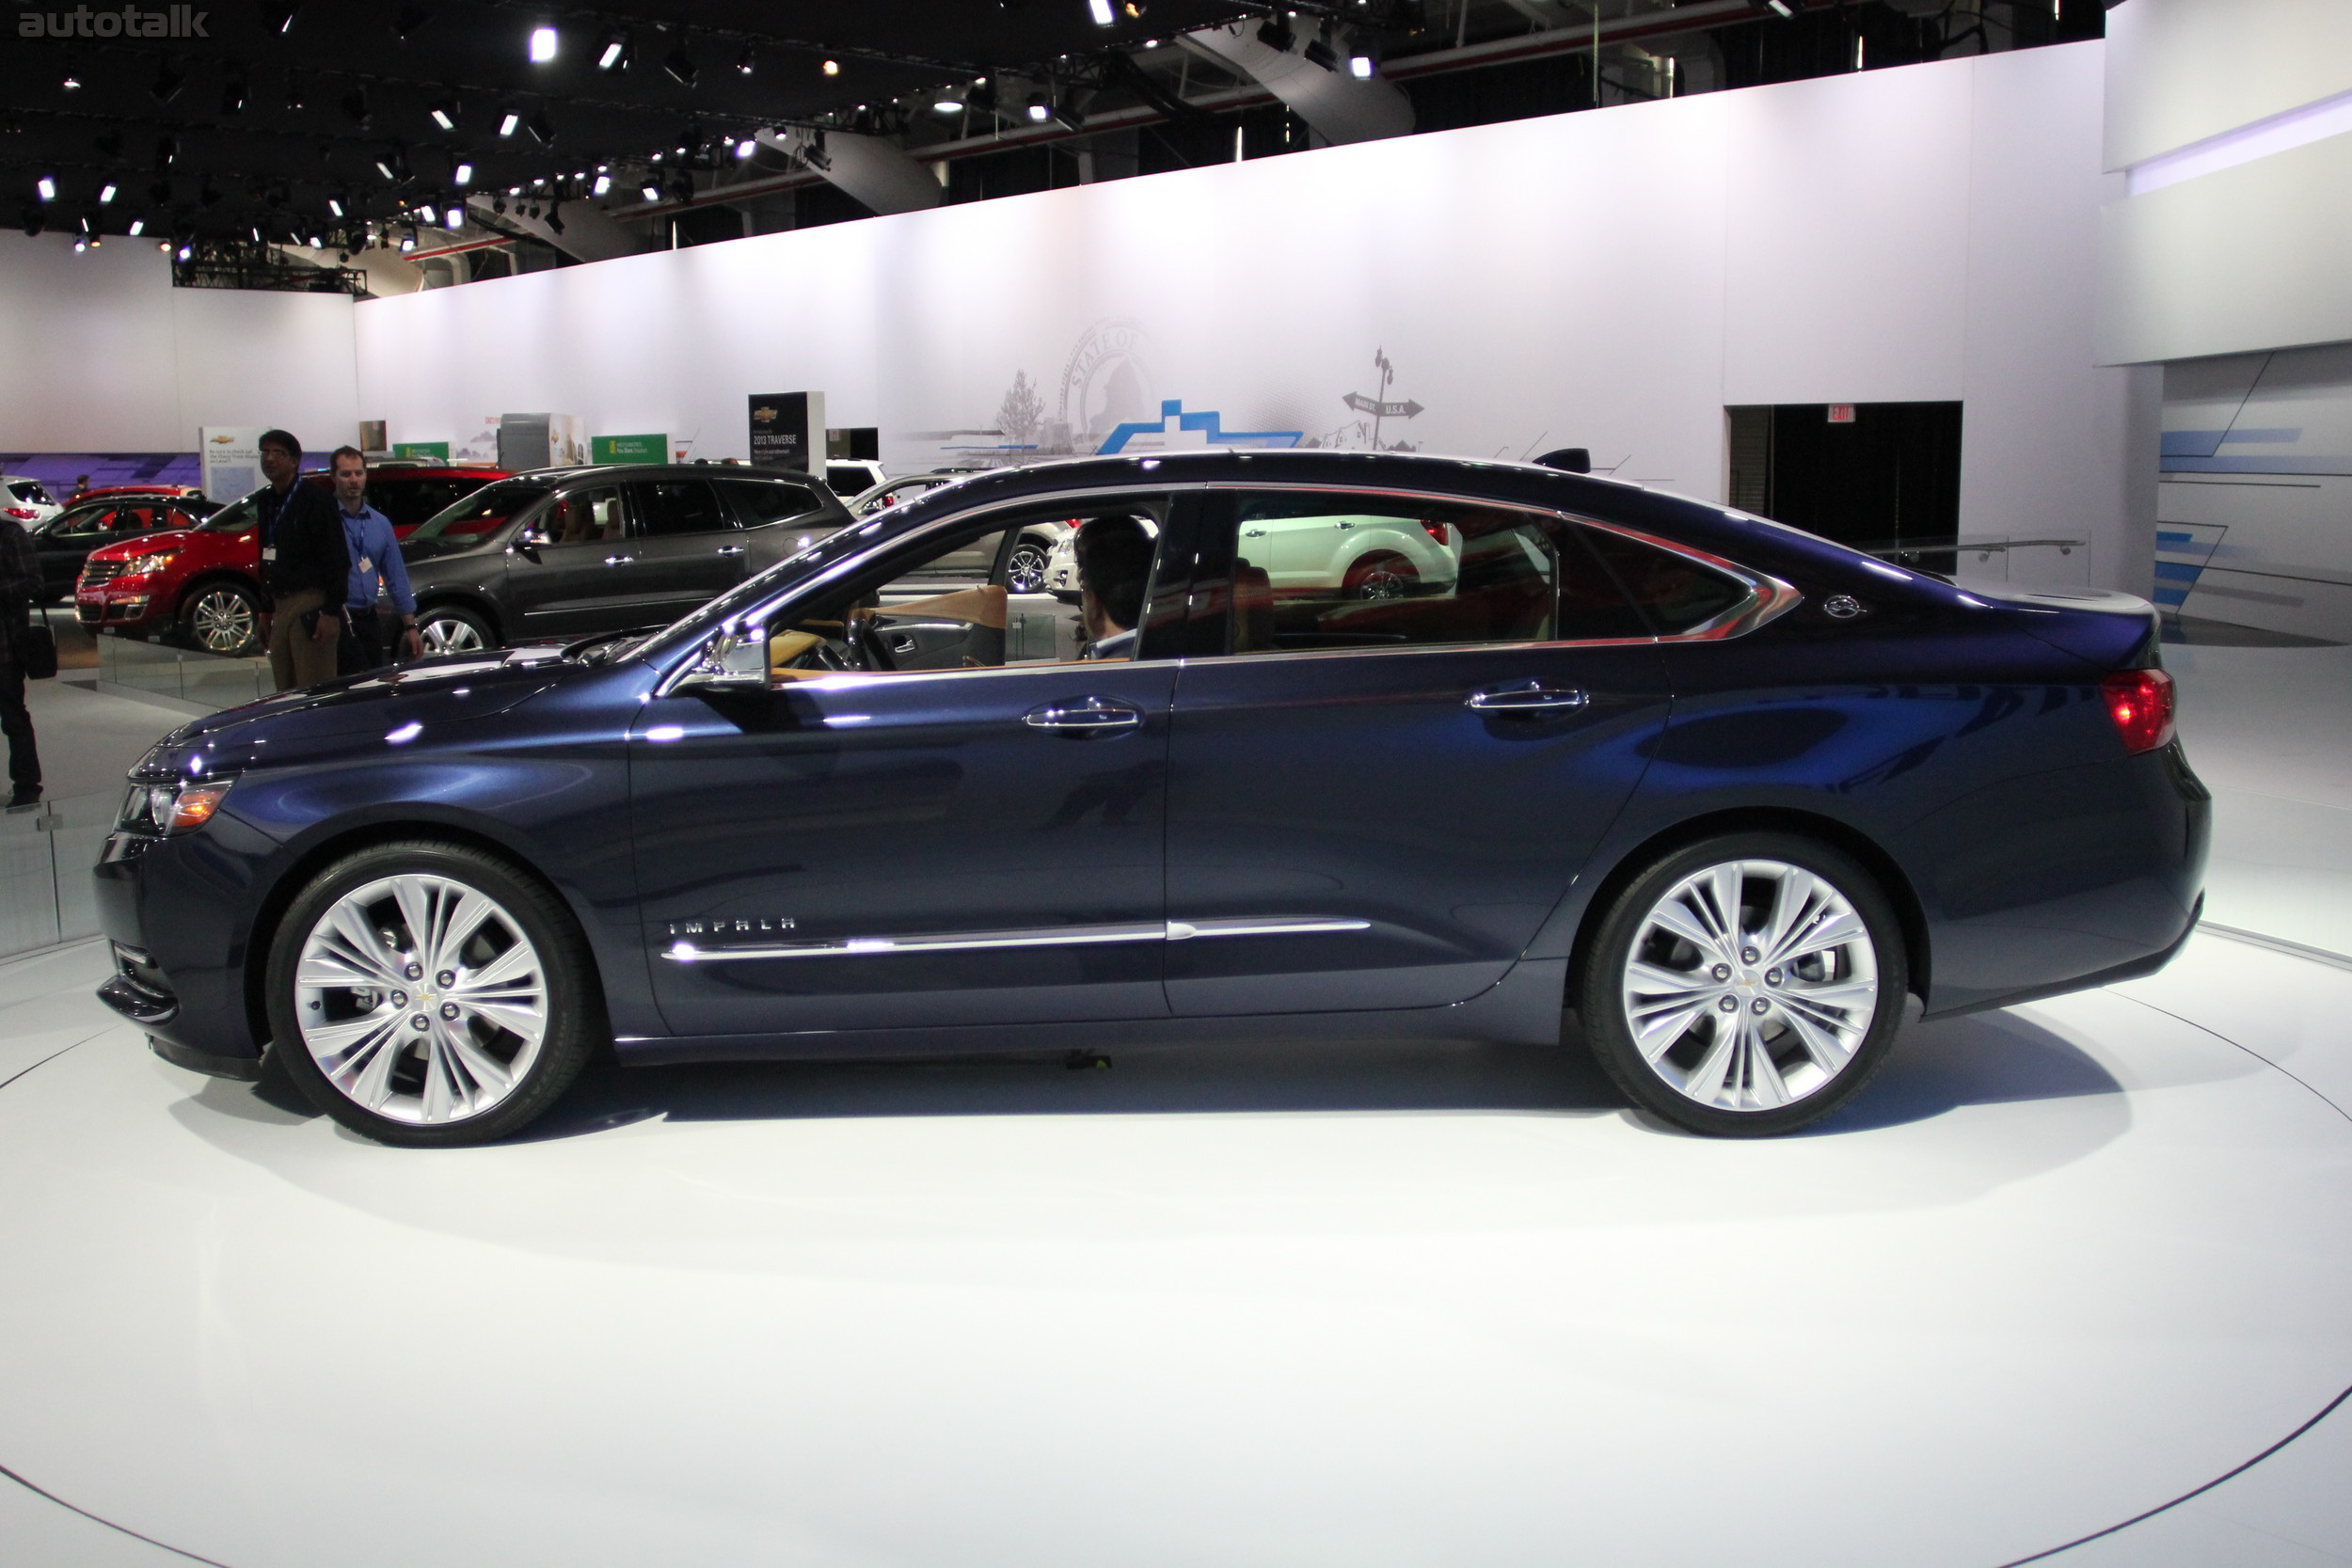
x: 1363, y: 434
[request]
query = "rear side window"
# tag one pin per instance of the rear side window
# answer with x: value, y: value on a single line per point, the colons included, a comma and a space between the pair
x: 29, y: 490
x: 669, y: 507
x: 407, y: 502
x: 1315, y: 571
x: 1673, y: 592
x: 767, y: 500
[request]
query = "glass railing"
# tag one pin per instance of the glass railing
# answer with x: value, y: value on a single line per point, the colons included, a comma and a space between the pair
x: 181, y: 674
x: 46, y: 852
x: 1991, y: 557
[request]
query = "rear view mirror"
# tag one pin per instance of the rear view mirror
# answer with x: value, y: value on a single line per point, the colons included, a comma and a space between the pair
x: 730, y: 662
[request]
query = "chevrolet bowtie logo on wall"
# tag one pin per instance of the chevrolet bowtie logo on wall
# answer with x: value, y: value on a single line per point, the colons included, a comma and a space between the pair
x: 84, y: 22
x: 728, y: 927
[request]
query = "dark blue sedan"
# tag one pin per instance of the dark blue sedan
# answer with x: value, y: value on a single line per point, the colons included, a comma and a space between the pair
x: 1334, y: 745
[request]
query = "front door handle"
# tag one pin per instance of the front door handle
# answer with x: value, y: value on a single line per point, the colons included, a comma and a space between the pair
x: 1529, y: 696
x: 618, y: 560
x: 1085, y: 716
x: 1253, y: 533
x: 728, y: 549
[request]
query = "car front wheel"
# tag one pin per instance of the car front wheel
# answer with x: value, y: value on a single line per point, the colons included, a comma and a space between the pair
x: 446, y: 629
x: 1746, y: 985
x: 222, y: 618
x: 1382, y: 576
x: 429, y: 994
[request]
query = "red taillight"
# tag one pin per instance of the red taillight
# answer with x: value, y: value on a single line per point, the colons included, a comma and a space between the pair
x: 26, y: 513
x: 2140, y: 703
x: 1436, y: 532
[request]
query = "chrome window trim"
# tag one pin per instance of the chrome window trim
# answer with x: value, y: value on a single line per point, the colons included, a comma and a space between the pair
x: 1060, y: 936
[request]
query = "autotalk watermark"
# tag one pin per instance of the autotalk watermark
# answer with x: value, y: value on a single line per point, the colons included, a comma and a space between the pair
x: 83, y: 22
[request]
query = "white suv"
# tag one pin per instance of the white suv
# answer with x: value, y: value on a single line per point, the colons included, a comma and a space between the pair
x: 25, y: 500
x: 1357, y: 557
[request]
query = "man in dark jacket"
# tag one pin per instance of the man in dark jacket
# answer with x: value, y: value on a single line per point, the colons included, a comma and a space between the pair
x: 19, y: 581
x: 305, y: 568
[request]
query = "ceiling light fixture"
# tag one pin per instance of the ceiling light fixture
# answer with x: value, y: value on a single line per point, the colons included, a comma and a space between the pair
x: 1319, y: 52
x: 948, y: 103
x: 139, y: 226
x: 1362, y: 67
x: 233, y: 96
x: 1040, y: 108
x: 445, y: 114
x: 278, y: 15
x: 335, y: 206
x: 745, y: 147
x: 604, y: 183
x: 744, y: 61
x: 541, y: 45
x: 106, y: 194
x: 72, y: 83
x: 651, y: 191
x: 541, y: 130
x: 508, y: 122
x: 384, y: 167
x: 1100, y: 11
x: 614, y: 52
x: 679, y: 64
x: 1276, y: 34
x: 833, y: 68
x: 46, y: 187
x: 462, y: 174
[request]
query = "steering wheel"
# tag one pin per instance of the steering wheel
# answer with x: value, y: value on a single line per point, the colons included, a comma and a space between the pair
x: 866, y: 646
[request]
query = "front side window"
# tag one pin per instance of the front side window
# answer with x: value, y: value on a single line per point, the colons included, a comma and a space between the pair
x: 1318, y: 571
x: 947, y: 604
x: 584, y: 516
x: 671, y: 507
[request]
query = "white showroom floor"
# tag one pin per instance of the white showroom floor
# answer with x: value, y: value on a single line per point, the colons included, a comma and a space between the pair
x: 2061, y: 1267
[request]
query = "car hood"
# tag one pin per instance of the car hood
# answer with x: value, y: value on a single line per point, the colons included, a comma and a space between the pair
x: 414, y: 551
x: 292, y: 724
x: 146, y: 544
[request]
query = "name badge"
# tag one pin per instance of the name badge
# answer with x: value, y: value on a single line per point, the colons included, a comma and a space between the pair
x: 366, y: 565
x: 269, y: 552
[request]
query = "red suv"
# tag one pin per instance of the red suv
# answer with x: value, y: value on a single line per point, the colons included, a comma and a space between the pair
x: 204, y: 582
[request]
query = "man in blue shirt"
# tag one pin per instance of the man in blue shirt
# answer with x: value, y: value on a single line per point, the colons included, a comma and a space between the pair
x: 374, y: 562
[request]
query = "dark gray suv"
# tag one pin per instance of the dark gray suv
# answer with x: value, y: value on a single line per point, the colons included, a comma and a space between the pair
x: 561, y: 553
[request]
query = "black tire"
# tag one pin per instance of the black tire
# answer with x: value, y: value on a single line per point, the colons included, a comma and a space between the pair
x: 222, y: 617
x: 1383, y: 575
x: 422, y: 1045
x: 447, y: 629
x: 1809, y: 1033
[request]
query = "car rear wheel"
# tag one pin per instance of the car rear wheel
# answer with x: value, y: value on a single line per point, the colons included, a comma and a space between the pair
x: 1025, y: 570
x: 1746, y: 985
x: 222, y: 618
x: 428, y: 994
x: 1382, y: 576
x: 446, y: 629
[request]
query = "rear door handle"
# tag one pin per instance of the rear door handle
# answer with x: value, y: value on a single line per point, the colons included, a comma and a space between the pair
x: 728, y: 549
x: 1085, y: 716
x: 1529, y: 696
x: 618, y: 560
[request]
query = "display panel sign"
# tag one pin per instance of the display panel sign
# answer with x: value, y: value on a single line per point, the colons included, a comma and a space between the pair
x: 628, y: 448
x: 436, y: 452
x: 372, y: 433
x: 231, y: 459
x: 541, y: 441
x: 788, y: 429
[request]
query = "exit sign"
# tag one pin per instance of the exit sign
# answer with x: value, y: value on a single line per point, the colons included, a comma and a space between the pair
x: 1841, y: 413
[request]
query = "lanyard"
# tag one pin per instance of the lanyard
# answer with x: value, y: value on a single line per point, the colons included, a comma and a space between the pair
x: 269, y: 535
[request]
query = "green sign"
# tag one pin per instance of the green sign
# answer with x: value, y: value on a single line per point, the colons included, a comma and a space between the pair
x: 437, y: 450
x: 628, y: 448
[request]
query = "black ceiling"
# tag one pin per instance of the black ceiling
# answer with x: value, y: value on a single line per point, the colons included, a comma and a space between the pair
x: 256, y: 123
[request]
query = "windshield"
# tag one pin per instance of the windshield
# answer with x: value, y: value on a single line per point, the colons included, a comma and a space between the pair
x: 485, y: 512
x: 233, y: 519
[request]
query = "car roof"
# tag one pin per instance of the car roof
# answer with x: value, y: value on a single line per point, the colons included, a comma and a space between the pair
x: 666, y: 470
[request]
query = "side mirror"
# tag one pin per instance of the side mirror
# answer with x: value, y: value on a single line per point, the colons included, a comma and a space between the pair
x: 730, y: 662
x: 527, y: 547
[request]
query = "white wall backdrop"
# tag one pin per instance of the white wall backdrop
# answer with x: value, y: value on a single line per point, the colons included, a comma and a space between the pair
x: 1610, y: 280
x: 99, y: 353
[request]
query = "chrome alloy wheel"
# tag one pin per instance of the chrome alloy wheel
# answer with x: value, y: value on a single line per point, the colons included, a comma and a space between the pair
x: 420, y: 999
x: 224, y: 621
x: 1751, y: 984
x: 1025, y: 572
x: 448, y: 637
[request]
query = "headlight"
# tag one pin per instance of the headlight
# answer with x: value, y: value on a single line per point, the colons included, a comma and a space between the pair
x: 170, y: 808
x: 155, y: 563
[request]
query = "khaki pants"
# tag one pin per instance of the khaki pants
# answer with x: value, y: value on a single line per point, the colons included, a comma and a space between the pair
x: 296, y: 658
